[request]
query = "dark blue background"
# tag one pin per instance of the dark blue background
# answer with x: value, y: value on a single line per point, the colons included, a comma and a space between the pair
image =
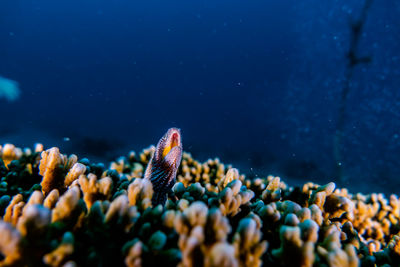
x: 254, y: 82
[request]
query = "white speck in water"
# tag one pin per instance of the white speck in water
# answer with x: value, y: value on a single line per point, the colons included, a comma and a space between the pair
x: 66, y: 139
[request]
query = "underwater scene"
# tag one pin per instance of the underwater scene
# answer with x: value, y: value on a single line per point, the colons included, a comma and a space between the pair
x: 200, y: 133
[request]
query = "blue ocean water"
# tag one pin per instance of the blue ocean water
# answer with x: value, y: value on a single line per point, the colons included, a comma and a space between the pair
x: 256, y: 83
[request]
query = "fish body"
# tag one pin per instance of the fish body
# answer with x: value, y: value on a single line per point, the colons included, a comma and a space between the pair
x: 164, y: 164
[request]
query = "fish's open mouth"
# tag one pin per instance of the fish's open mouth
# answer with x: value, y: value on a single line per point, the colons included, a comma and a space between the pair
x: 173, y: 139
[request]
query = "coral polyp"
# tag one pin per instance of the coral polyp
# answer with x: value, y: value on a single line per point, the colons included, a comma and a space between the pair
x: 58, y: 210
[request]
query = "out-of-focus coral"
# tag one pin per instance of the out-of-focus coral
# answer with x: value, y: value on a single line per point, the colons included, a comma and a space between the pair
x: 297, y: 244
x: 67, y: 205
x: 128, y: 167
x: 9, y: 89
x: 209, y: 174
x: 247, y: 242
x: 133, y: 259
x: 231, y: 175
x: 221, y: 255
x: 53, y: 167
x: 9, y: 152
x: 140, y: 192
x: 14, y: 210
x: 94, y: 189
x: 58, y: 211
x: 273, y: 191
x: 34, y: 221
x: 233, y: 196
x: 10, y: 245
x: 121, y: 213
x: 51, y: 199
x: 199, y: 230
x: 74, y: 173
x: 62, y: 252
x: 334, y: 252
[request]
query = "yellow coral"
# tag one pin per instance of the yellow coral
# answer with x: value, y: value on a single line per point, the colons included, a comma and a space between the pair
x: 51, y: 199
x: 14, y: 210
x: 9, y: 153
x: 94, y: 189
x: 221, y: 255
x: 140, y: 192
x: 120, y: 210
x: 247, y: 242
x: 34, y: 220
x: 51, y: 167
x: 66, y: 204
x: 10, y: 244
x: 133, y: 259
x: 74, y: 173
x: 61, y: 253
x: 231, y: 175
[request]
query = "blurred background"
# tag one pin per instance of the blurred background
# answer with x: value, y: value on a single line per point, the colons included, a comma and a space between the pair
x: 256, y: 83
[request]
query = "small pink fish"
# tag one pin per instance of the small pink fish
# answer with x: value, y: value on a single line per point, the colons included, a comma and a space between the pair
x: 164, y: 164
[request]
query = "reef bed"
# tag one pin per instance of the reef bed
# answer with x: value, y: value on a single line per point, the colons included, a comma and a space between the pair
x: 58, y: 210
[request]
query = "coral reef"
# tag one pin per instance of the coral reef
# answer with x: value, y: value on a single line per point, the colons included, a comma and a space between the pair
x: 58, y: 210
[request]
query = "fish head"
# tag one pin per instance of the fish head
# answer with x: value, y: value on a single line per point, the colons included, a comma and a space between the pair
x: 169, y: 148
x: 166, y: 158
